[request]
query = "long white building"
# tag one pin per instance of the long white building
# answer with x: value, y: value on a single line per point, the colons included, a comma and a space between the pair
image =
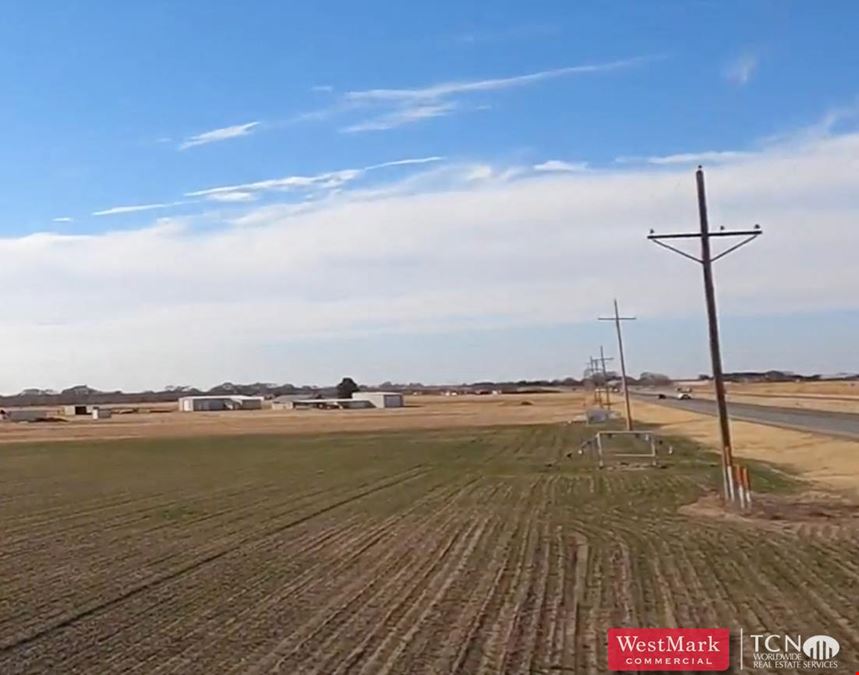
x: 209, y: 403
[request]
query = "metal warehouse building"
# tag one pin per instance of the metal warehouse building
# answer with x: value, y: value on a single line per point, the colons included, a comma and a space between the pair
x: 361, y: 399
x: 208, y: 403
x: 380, y: 399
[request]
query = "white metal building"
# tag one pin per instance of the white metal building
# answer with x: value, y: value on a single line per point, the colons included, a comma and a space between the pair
x: 326, y: 404
x: 26, y: 415
x: 208, y: 403
x: 380, y: 399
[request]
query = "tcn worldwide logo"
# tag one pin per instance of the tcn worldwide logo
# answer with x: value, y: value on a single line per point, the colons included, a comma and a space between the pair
x: 777, y: 651
x: 668, y: 649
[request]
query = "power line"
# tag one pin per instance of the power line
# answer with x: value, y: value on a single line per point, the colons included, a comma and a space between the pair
x: 617, y: 318
x: 706, y: 261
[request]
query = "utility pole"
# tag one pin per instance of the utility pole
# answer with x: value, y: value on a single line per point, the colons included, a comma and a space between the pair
x: 706, y: 261
x: 617, y: 318
x: 591, y: 372
x: 602, y: 361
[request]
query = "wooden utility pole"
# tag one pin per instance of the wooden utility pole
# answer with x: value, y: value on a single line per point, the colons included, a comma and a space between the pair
x: 591, y: 372
x: 617, y: 318
x: 602, y: 361
x: 706, y: 261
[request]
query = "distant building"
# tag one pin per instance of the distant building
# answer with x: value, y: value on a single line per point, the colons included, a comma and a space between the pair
x: 326, y: 404
x: 215, y: 403
x: 380, y: 399
x: 26, y: 415
x: 360, y: 399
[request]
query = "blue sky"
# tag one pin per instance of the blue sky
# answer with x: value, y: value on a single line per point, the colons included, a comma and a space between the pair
x: 203, y: 191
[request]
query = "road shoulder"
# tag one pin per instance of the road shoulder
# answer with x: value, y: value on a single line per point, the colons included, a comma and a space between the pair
x: 828, y: 462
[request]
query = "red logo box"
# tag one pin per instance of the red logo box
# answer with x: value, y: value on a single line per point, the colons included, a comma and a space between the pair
x: 668, y: 648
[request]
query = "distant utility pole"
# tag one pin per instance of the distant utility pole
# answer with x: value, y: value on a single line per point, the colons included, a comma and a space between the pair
x: 602, y: 361
x: 591, y: 372
x: 617, y: 318
x: 706, y: 261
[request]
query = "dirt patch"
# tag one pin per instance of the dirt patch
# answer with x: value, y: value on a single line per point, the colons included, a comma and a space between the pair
x: 806, y: 512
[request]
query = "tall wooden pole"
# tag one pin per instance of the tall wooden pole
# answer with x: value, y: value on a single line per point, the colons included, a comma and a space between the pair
x: 706, y: 261
x: 713, y: 327
x: 617, y: 318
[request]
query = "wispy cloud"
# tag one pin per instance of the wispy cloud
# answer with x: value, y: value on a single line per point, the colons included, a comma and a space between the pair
x: 445, y: 89
x: 322, y: 88
x: 217, y: 135
x: 117, y: 210
x: 64, y: 219
x: 234, y: 197
x: 561, y: 166
x: 521, y: 32
x: 741, y: 69
x: 398, y: 107
x: 329, y: 180
x: 709, y: 156
x: 402, y: 116
x: 406, y: 162
x: 840, y: 119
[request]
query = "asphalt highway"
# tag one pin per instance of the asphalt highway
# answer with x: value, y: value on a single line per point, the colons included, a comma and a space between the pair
x: 843, y: 425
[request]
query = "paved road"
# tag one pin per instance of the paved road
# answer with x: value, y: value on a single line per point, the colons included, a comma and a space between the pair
x: 844, y: 425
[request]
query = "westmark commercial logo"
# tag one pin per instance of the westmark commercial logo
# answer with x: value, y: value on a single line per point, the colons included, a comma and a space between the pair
x: 668, y: 648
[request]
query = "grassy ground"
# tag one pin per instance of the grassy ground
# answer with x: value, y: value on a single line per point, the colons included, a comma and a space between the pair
x: 449, y: 551
x: 832, y: 463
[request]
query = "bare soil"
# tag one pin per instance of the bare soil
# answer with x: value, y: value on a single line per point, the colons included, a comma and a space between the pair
x: 463, y: 551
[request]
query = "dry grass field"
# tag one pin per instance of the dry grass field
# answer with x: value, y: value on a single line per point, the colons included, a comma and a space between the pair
x: 829, y: 462
x: 439, y: 551
x: 835, y: 396
x: 421, y: 412
x: 828, y: 388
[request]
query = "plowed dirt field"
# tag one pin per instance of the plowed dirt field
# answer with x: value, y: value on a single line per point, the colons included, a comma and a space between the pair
x: 463, y: 551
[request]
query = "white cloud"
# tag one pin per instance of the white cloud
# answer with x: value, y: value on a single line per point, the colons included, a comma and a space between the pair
x: 217, y: 135
x: 741, y: 69
x: 559, y: 165
x: 402, y: 116
x: 445, y: 89
x: 225, y: 301
x: 329, y: 180
x: 322, y: 88
x: 236, y: 196
x: 706, y: 157
x: 406, y: 162
x: 116, y: 210
x: 63, y: 219
x: 398, y: 107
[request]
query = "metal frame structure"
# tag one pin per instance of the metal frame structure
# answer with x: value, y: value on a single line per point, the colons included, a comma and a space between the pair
x: 597, y: 443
